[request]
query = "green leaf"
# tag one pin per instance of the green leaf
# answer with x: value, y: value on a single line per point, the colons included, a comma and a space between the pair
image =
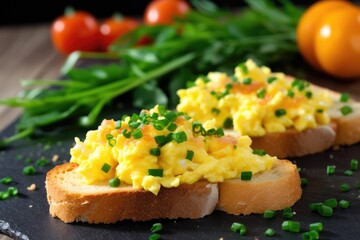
x: 149, y: 95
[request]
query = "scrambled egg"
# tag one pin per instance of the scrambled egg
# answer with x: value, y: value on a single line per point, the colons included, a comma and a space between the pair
x: 163, y: 148
x: 255, y: 101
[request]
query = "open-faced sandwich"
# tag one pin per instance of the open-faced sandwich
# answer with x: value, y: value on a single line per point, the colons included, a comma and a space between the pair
x: 163, y: 164
x: 286, y: 117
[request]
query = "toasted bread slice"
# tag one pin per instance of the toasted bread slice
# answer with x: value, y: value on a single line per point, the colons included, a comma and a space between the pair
x: 293, y: 143
x: 270, y: 190
x: 70, y: 200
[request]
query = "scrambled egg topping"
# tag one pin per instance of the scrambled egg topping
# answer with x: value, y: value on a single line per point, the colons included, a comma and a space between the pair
x: 255, y: 101
x: 164, y: 148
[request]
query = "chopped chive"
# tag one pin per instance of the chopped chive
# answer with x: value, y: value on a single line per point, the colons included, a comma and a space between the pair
x: 161, y: 140
x: 271, y: 79
x: 280, y: 112
x: 259, y: 152
x: 134, y: 118
x: 106, y: 168
x: 137, y: 134
x: 114, y: 182
x: 291, y: 226
x: 162, y: 110
x: 344, y: 187
x: 156, y: 227
x: 308, y: 94
x: 228, y: 123
x: 247, y: 81
x: 211, y: 132
x: 42, y: 162
x: 126, y: 133
x: 310, y: 235
x: 170, y: 116
x: 154, y: 115
x: 243, y: 230
x: 304, y: 182
x: 290, y: 93
x: 235, y: 227
x: 13, y: 191
x: 330, y: 169
x: 299, y: 169
x: 215, y: 111
x: 29, y: 170
x: 268, y: 214
x: 156, y: 172
x: 172, y: 127
x: 325, y: 211
x: 189, y: 155
x: 320, y: 110
x: 134, y: 125
x: 124, y: 117
x: 246, y: 175
x: 154, y: 236
x: 4, y: 195
x: 344, y: 97
x: 243, y: 68
x: 261, y: 93
x: 6, y: 180
x: 348, y: 173
x: 357, y: 185
x: 196, y: 127
x: 332, y: 202
x: 155, y: 151
x: 287, y: 212
x: 269, y: 232
x: 220, y: 132
x: 344, y: 204
x: 109, y: 136
x: 314, y: 206
x: 112, y: 142
x: 354, y: 164
x: 179, y: 137
x: 345, y: 110
x: 158, y: 125
x: 318, y: 226
x: 28, y: 160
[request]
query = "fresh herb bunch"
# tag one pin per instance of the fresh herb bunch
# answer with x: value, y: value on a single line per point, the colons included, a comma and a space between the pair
x: 207, y: 39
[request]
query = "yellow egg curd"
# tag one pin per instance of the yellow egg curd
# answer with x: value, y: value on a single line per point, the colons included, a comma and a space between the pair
x: 160, y: 147
x: 255, y: 101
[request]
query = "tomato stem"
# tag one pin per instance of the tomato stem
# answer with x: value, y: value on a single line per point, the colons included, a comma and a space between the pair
x: 69, y: 11
x: 118, y: 16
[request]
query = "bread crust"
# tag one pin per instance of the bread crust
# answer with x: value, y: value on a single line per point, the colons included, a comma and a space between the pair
x: 293, y: 143
x: 70, y: 200
x: 275, y: 189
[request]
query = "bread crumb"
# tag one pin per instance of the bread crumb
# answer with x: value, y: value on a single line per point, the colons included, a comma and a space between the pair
x: 221, y: 238
x: 32, y: 187
x: 55, y: 158
x: 331, y: 156
x: 30, y: 206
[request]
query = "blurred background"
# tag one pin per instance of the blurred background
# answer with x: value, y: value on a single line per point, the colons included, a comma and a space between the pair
x: 19, y: 12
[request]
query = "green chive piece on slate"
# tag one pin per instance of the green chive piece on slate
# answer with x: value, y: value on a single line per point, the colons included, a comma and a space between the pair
x: 332, y: 202
x: 344, y: 204
x: 235, y: 227
x: 325, y: 211
x: 354, y: 164
x: 287, y: 212
x: 269, y: 232
x: 6, y: 180
x: 13, y: 191
x: 330, y: 169
x: 348, y: 173
x: 304, y: 182
x: 155, y: 236
x: 314, y: 206
x: 268, y: 214
x: 156, y: 227
x: 291, y: 226
x: 318, y: 226
x: 29, y: 170
x: 345, y: 187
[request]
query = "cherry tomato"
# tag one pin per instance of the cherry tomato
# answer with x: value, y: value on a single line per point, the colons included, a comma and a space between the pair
x: 162, y: 12
x: 337, y: 43
x: 114, y: 27
x: 76, y: 30
x: 309, y: 25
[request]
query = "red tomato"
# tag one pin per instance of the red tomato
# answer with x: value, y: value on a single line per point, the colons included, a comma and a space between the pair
x: 115, y: 27
x: 76, y: 30
x: 162, y: 12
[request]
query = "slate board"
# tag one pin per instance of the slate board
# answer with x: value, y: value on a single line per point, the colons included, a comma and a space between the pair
x: 36, y: 223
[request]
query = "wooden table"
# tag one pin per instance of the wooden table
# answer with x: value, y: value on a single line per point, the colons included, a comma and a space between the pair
x: 26, y: 52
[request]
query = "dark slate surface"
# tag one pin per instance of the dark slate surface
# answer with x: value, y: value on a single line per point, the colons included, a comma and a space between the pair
x: 36, y: 223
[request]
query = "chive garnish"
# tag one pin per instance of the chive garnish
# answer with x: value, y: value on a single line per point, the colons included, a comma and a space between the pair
x: 269, y: 232
x: 280, y: 112
x: 4, y: 195
x: 247, y: 81
x: 228, y: 123
x: 109, y: 136
x: 156, y: 172
x: 196, y: 127
x: 235, y: 227
x: 161, y: 140
x: 155, y: 151
x: 162, y: 110
x: 268, y: 214
x: 304, y: 182
x: 172, y: 127
x: 331, y: 202
x: 13, y: 191
x: 118, y: 124
x: 179, y: 137
x: 354, y: 164
x: 134, y: 125
x: 308, y: 94
x: 271, y: 79
x: 314, y: 206
x: 348, y: 173
x: 345, y: 187
x: 106, y: 168
x: 211, y: 132
x: 318, y: 226
x: 154, y: 236
x: 114, y: 182
x: 137, y: 134
x: 320, y: 110
x: 126, y: 133
x: 310, y: 235
x: 246, y: 175
x: 42, y: 162
x: 259, y: 152
x: 261, y: 93
x: 344, y: 97
x: 291, y: 226
x: 345, y: 110
x: 29, y: 170
x: 243, y: 68
x: 171, y: 116
x: 344, y: 204
x: 215, y: 111
x: 287, y: 212
x: 189, y: 155
x: 112, y: 142
x: 325, y: 211
x: 158, y: 125
x: 154, y: 115
x: 156, y: 227
x: 6, y: 180
x: 290, y: 93
x: 330, y: 169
